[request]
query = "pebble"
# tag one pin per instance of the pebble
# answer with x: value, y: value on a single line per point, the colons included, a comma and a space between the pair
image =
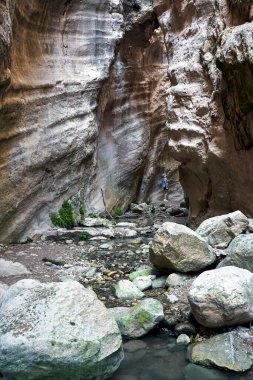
x: 172, y: 298
x: 104, y: 246
x: 69, y: 241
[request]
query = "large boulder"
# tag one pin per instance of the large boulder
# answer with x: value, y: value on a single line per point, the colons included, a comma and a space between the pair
x: 177, y: 248
x: 56, y: 331
x: 138, y: 320
x: 222, y: 297
x: 220, y: 230
x: 223, y: 351
x: 240, y: 253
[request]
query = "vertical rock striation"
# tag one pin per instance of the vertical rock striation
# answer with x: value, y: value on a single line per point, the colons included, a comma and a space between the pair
x: 210, y: 100
x: 107, y: 95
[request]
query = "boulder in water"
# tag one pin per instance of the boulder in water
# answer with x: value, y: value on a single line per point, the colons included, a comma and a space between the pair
x: 138, y: 320
x: 223, y: 351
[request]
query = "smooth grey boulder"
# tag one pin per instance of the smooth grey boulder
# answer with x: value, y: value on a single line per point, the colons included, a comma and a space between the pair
x: 56, y: 331
x: 222, y: 297
x: 10, y: 268
x: 138, y: 320
x: 220, y: 230
x: 240, y: 253
x: 126, y: 290
x: 224, y: 351
x: 177, y: 248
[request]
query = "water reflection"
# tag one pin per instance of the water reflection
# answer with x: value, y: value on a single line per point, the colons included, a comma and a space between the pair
x: 160, y: 358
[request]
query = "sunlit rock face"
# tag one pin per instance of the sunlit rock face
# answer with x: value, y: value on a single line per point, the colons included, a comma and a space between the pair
x: 60, y: 56
x: 105, y: 96
x: 83, y: 108
x: 209, y: 45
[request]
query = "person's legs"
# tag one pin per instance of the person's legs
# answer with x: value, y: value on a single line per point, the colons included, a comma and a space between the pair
x: 165, y: 192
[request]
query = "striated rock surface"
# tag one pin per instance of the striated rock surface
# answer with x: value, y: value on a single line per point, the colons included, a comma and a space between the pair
x: 108, y: 95
x: 209, y: 100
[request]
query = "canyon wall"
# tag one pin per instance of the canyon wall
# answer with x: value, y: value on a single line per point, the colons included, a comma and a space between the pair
x: 106, y: 95
x: 209, y: 50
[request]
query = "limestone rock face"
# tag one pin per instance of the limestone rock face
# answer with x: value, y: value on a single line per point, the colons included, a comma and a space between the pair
x: 177, y: 248
x: 209, y: 101
x: 222, y: 297
x: 82, y: 108
x: 56, y: 330
x: 108, y: 95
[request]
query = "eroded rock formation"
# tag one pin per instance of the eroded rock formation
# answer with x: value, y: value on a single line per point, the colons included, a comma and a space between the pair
x: 107, y: 95
x: 209, y: 100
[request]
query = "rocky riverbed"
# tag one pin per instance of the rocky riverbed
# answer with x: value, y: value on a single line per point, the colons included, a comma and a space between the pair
x: 204, y: 308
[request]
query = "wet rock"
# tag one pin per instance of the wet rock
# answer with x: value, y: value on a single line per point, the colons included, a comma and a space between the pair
x: 159, y: 282
x: 220, y: 230
x: 222, y: 297
x: 176, y: 279
x: 126, y: 290
x: 10, y: 268
x: 183, y: 340
x: 176, y: 247
x: 224, y: 351
x: 143, y: 283
x: 137, y: 321
x: 197, y: 372
x: 67, y: 333
x: 240, y: 253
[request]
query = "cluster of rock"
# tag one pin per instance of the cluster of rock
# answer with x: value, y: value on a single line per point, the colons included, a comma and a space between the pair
x: 220, y: 296
x: 63, y: 328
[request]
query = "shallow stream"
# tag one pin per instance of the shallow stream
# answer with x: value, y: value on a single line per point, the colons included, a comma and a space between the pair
x: 158, y: 357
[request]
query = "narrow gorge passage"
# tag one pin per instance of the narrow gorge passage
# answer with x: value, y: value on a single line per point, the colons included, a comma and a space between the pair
x: 126, y: 178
